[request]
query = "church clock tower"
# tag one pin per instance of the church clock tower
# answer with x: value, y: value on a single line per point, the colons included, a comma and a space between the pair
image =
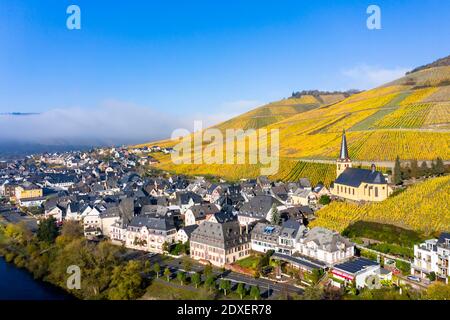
x: 343, y: 162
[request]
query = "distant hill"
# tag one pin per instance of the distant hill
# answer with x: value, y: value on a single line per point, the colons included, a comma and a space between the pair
x: 318, y: 93
x: 18, y: 113
x: 408, y: 117
x: 279, y: 110
x: 443, y: 62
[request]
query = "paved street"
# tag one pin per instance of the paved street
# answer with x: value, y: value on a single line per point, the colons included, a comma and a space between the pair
x: 13, y: 215
x: 269, y: 289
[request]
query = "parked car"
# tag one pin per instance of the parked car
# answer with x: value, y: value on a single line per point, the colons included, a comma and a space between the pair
x: 413, y: 278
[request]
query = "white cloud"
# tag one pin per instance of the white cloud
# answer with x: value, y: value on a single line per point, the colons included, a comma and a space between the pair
x: 365, y: 76
x: 113, y: 122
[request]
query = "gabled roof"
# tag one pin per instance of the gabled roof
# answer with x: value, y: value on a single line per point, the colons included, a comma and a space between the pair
x: 291, y: 228
x: 185, y: 197
x: 327, y: 239
x: 259, y: 206
x: 354, y: 177
x: 200, y: 211
x: 220, y: 235
x: 189, y: 229
x: 154, y: 210
x: 443, y: 237
x: 152, y: 223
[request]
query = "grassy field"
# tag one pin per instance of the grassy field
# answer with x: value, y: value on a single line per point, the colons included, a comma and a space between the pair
x: 383, y: 232
x: 250, y: 262
x: 160, y: 290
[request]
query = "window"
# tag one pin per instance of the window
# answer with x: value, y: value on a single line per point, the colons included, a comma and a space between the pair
x: 376, y: 191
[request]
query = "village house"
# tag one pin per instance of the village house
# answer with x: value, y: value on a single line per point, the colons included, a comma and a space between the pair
x: 432, y: 256
x: 220, y: 243
x: 199, y: 213
x: 185, y: 200
x: 291, y: 231
x: 92, y: 222
x: 148, y: 233
x: 325, y: 245
x: 55, y: 210
x: 357, y: 270
x: 259, y: 208
x: 184, y: 234
x: 302, y: 197
x: 264, y: 237
x: 28, y: 191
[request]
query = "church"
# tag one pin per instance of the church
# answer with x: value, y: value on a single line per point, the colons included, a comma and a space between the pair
x: 358, y: 184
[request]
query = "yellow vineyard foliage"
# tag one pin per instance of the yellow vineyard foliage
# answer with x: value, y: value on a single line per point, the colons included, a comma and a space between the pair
x: 407, y: 116
x: 418, y: 96
x: 289, y: 170
x: 424, y: 207
x: 439, y: 115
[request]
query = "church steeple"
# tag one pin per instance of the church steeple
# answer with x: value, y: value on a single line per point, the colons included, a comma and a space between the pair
x: 343, y: 162
x: 343, y: 155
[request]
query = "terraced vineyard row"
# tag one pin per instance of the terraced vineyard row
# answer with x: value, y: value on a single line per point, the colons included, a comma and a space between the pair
x: 424, y: 207
x: 418, y: 96
x: 315, y: 172
x: 439, y: 114
x: 386, y: 145
x: 410, y: 116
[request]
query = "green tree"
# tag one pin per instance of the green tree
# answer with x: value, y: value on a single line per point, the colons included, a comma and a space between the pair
x: 167, y: 273
x: 207, y: 271
x: 424, y: 170
x: 432, y: 276
x: 47, y: 230
x: 181, y: 276
x: 240, y: 290
x: 397, y: 174
x: 415, y: 172
x: 440, y: 167
x: 438, y: 291
x: 406, y: 172
x: 196, y: 279
x: 147, y: 267
x: 126, y: 282
x: 166, y: 247
x: 187, y: 265
x: 210, y: 283
x: 255, y: 293
x: 157, y: 269
x: 313, y: 293
x: 324, y: 200
x: 72, y: 230
x: 225, y: 285
x: 275, y: 215
x: 315, y: 276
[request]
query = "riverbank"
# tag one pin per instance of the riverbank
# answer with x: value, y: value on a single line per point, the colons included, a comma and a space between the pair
x: 49, y: 257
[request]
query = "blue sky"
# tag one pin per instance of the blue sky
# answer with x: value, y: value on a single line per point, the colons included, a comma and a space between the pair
x: 211, y: 59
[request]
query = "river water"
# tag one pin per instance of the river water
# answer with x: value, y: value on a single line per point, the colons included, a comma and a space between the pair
x: 18, y: 284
